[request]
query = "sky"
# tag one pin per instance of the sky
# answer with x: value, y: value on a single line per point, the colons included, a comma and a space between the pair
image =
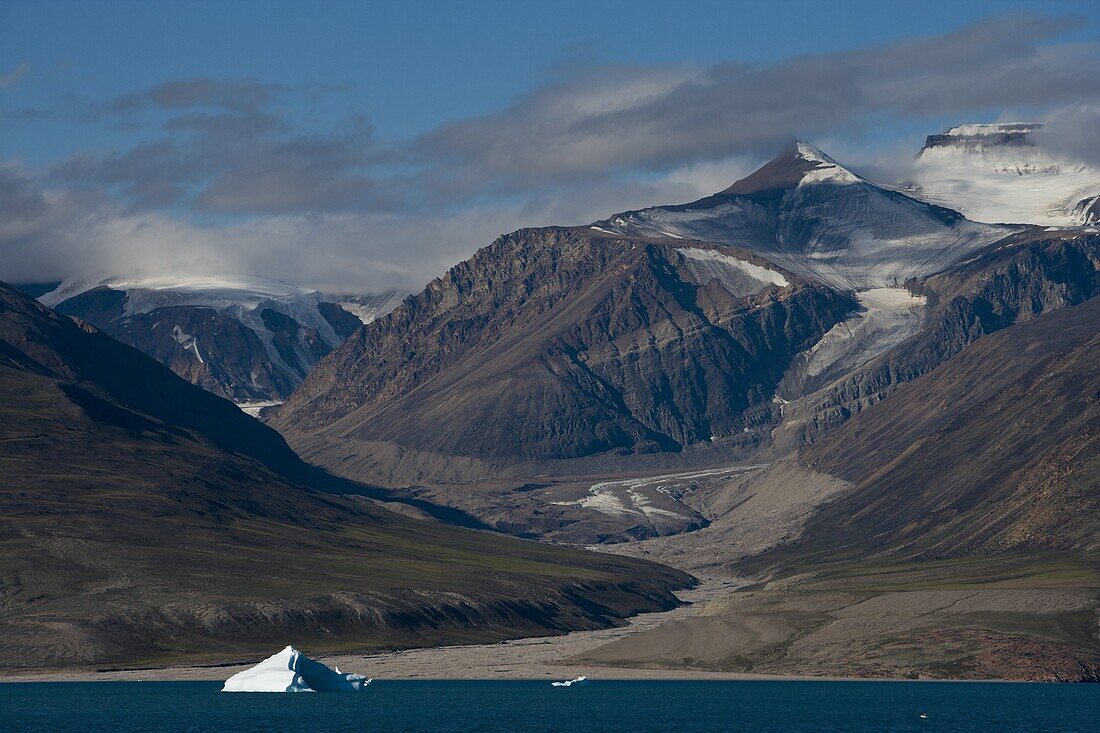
x: 359, y: 146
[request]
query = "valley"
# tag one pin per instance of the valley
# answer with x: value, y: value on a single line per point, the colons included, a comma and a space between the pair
x: 863, y: 423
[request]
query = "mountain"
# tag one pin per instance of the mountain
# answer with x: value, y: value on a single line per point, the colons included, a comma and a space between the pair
x: 951, y: 530
x: 1001, y: 173
x: 110, y: 381
x: 562, y: 344
x: 805, y: 212
x: 1029, y: 273
x: 662, y: 330
x: 1012, y: 466
x: 146, y: 520
x: 608, y: 383
x: 246, y: 339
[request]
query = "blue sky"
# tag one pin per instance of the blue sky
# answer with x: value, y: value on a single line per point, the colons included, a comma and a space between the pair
x: 410, y: 66
x: 393, y: 124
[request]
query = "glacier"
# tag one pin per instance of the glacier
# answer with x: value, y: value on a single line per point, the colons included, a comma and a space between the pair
x: 291, y: 671
x: 886, y: 317
x: 999, y: 173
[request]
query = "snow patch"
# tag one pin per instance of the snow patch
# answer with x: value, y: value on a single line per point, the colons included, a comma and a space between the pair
x: 369, y: 308
x: 827, y: 171
x: 643, y: 497
x: 738, y: 276
x: 996, y: 173
x: 187, y: 342
x: 254, y: 408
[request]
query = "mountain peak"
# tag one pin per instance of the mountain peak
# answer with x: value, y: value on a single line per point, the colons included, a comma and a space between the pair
x: 810, y: 152
x: 798, y: 163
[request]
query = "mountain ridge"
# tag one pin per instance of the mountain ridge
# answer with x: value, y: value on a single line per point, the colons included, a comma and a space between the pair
x: 578, y: 322
x: 248, y: 339
x: 808, y: 214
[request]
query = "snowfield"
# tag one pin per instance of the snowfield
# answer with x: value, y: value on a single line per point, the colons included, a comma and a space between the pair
x: 996, y: 173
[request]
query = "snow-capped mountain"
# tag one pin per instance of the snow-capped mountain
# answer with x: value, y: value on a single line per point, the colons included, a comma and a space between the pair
x: 249, y: 339
x: 812, y: 216
x: 1001, y: 173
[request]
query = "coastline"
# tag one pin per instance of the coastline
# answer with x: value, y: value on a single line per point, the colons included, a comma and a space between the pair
x: 538, y: 657
x: 529, y: 658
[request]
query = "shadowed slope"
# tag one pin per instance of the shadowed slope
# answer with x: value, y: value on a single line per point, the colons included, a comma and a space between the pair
x: 997, y: 450
x: 143, y: 521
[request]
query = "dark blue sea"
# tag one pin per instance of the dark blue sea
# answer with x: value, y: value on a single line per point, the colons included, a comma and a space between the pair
x: 599, y: 707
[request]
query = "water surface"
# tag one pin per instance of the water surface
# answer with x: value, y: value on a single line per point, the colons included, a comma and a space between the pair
x: 599, y: 707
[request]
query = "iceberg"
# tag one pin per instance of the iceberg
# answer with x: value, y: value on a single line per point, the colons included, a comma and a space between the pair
x: 292, y: 671
x: 570, y: 683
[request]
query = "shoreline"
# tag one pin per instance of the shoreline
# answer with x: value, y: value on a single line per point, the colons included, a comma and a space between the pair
x: 541, y: 658
x: 533, y: 657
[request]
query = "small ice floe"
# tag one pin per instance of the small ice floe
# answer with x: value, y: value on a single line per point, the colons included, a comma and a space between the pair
x: 570, y: 683
x: 292, y: 671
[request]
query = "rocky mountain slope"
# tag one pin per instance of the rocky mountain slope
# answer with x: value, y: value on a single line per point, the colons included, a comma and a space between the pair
x: 583, y: 383
x: 1019, y: 278
x: 634, y: 335
x: 246, y: 339
x: 996, y: 451
x: 951, y: 530
x: 146, y: 520
x: 557, y: 344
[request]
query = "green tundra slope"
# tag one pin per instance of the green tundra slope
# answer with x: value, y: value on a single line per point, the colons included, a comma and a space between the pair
x: 143, y: 520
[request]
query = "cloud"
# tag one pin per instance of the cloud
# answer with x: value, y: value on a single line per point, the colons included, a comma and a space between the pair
x: 1073, y: 133
x: 61, y: 235
x: 227, y: 148
x: 225, y: 178
x: 652, y: 118
x: 12, y: 79
x: 40, y: 227
x: 243, y: 96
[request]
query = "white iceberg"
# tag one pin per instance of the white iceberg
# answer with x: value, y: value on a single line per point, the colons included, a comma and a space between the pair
x: 292, y: 671
x: 570, y: 683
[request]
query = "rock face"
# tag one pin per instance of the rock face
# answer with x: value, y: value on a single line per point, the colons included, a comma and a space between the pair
x: 563, y: 343
x: 997, y: 451
x: 250, y: 341
x: 145, y: 520
x: 1087, y: 211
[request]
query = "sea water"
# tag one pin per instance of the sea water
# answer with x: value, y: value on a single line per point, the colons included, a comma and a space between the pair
x: 537, y: 707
